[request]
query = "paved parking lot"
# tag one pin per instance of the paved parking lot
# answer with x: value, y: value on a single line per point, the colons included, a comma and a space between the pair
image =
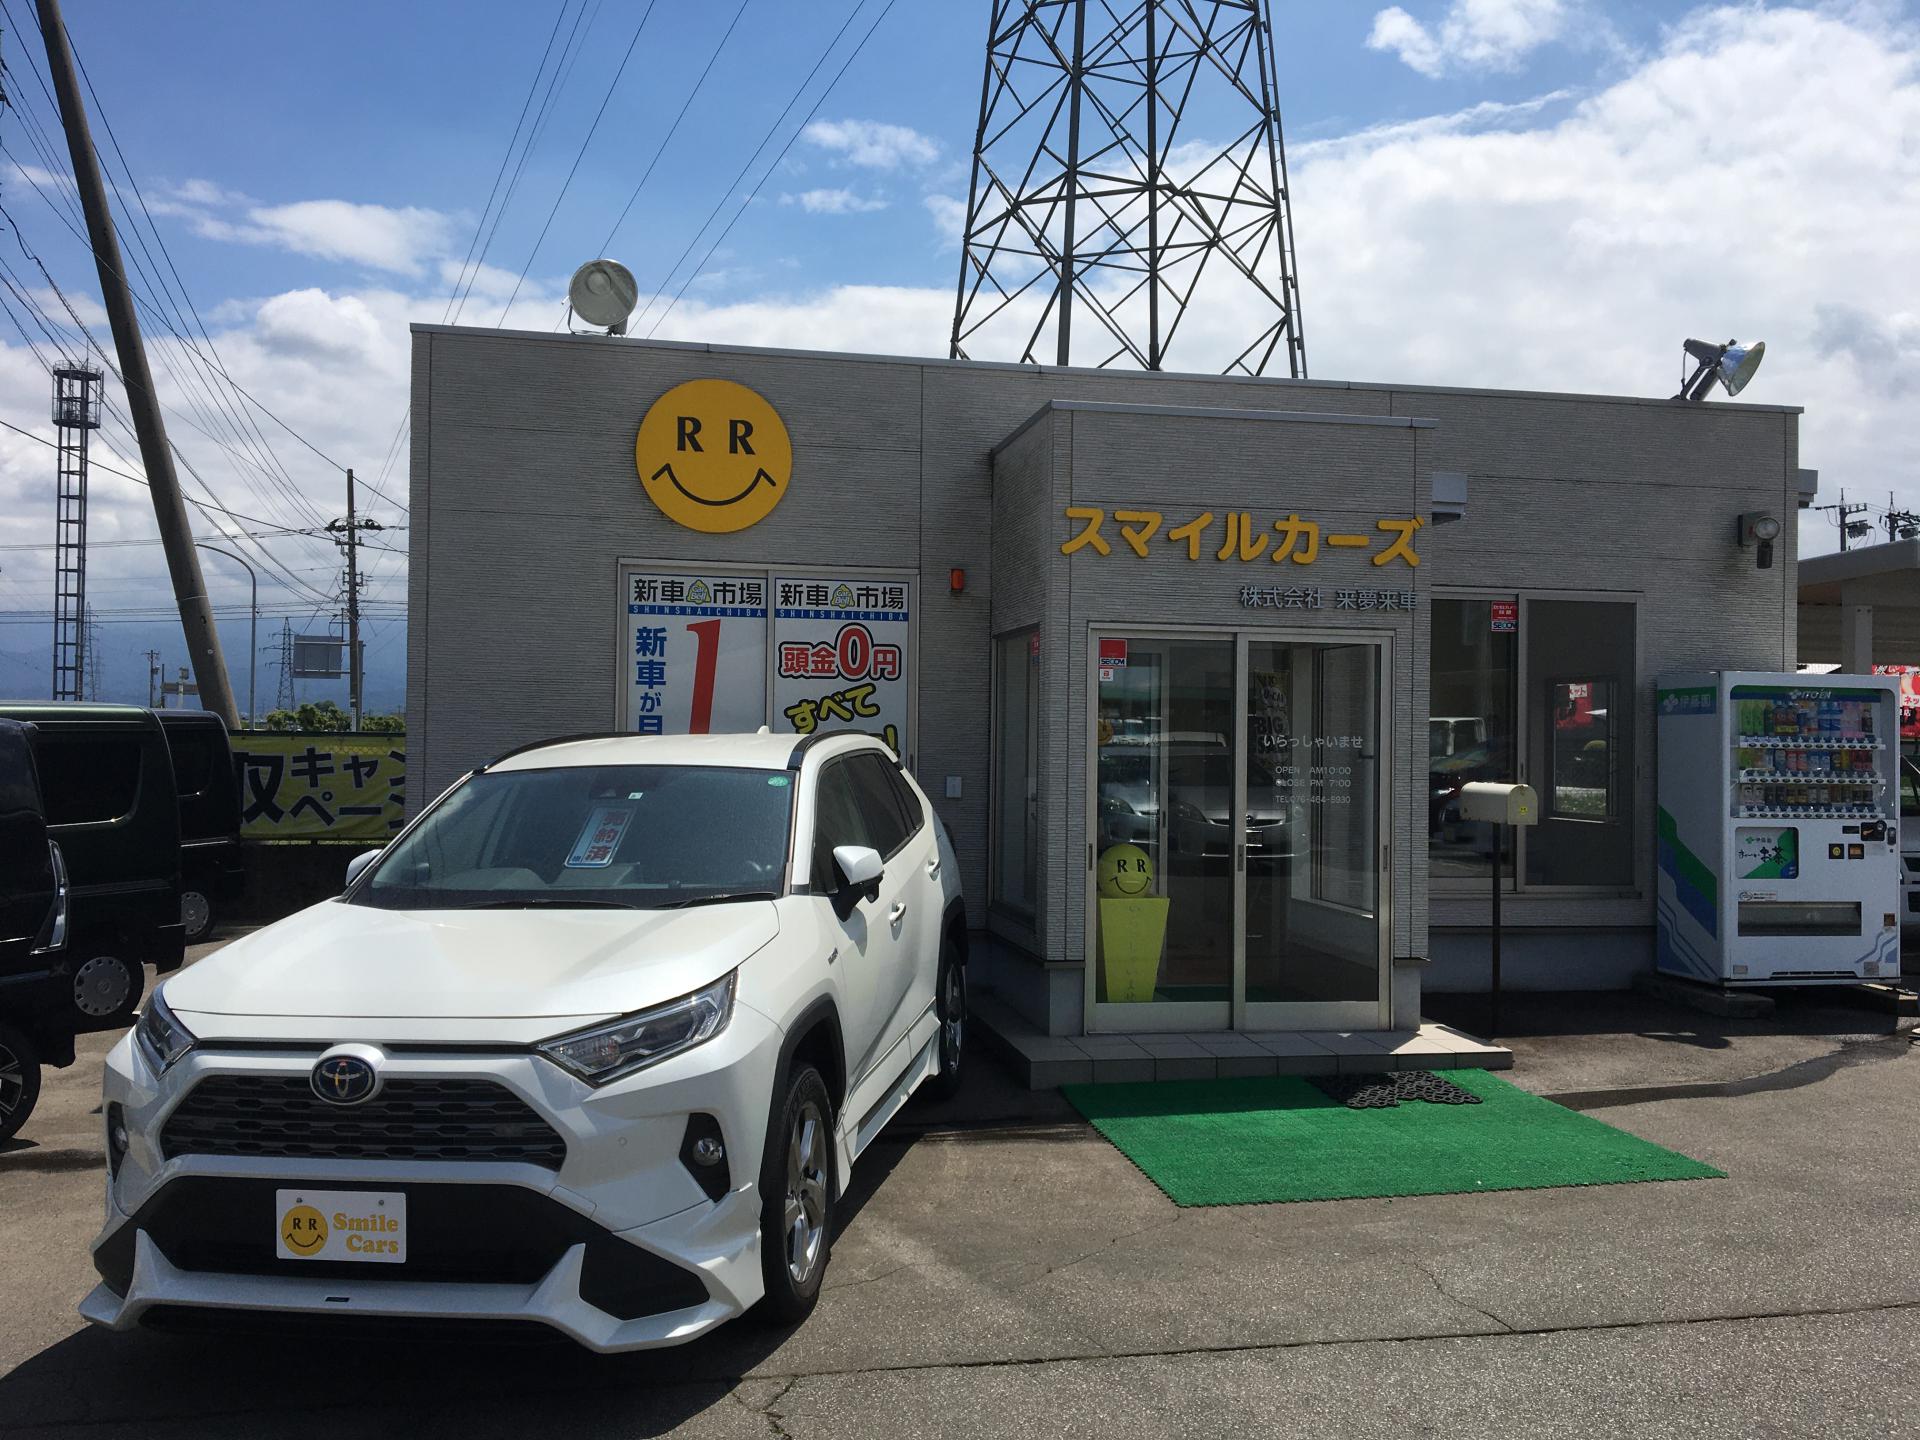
x: 1020, y: 1278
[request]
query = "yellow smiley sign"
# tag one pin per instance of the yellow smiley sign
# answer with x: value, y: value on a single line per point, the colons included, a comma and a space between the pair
x: 714, y: 456
x: 303, y: 1230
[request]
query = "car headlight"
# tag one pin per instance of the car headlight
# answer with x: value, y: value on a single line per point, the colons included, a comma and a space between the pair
x: 160, y: 1035
x: 633, y: 1042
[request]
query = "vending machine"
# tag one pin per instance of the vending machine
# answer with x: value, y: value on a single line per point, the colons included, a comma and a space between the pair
x: 1778, y: 840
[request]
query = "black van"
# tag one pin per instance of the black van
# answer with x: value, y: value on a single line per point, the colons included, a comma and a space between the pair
x: 212, y: 872
x: 33, y: 923
x: 107, y: 780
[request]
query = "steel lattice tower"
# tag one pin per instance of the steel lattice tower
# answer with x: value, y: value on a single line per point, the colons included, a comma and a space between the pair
x: 76, y: 414
x: 1103, y: 193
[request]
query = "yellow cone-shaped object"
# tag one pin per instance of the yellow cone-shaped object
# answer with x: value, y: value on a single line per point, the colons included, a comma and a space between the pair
x: 1132, y: 935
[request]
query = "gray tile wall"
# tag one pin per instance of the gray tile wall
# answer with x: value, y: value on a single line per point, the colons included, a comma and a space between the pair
x: 525, y: 499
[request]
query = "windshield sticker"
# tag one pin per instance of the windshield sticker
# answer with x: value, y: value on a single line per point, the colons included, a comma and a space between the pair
x: 777, y: 781
x: 601, y: 837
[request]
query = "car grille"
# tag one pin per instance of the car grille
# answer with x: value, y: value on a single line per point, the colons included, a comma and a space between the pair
x: 279, y: 1116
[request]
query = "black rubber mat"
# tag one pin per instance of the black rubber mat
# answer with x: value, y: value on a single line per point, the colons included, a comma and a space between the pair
x: 1383, y: 1091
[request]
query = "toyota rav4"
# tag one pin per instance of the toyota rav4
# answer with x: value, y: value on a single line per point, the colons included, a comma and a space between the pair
x: 592, y: 1044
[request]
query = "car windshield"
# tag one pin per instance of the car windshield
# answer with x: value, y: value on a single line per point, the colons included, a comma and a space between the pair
x: 638, y: 836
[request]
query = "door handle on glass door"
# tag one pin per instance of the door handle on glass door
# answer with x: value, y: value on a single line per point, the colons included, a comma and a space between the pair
x: 897, y: 913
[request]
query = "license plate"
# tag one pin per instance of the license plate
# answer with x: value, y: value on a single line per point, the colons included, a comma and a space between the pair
x: 364, y: 1225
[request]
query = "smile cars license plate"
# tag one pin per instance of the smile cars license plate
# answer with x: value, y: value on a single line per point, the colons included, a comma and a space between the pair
x: 369, y: 1225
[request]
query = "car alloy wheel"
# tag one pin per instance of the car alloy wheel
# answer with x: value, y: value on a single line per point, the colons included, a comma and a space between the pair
x: 953, y: 1018
x: 806, y: 1209
x: 101, y: 986
x: 19, y: 1080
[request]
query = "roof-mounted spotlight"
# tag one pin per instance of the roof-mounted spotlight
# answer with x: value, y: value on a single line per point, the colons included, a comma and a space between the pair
x: 1732, y: 364
x: 603, y: 293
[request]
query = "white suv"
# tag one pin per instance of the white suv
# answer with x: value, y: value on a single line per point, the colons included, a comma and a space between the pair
x: 593, y: 1044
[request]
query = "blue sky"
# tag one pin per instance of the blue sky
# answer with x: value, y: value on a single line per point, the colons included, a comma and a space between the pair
x: 1539, y: 193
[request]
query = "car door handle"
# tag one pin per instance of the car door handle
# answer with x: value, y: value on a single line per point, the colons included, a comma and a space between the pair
x: 933, y: 868
x: 897, y: 913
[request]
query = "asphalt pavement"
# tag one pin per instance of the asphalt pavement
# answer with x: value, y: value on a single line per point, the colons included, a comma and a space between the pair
x: 1003, y: 1271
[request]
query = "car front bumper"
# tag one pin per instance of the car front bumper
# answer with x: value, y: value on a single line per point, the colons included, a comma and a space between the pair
x: 620, y: 1248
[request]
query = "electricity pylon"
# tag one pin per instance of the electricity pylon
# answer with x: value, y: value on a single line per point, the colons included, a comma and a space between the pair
x: 1128, y: 179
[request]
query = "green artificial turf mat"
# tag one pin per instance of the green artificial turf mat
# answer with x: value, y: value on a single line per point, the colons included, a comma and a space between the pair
x: 1277, y: 1138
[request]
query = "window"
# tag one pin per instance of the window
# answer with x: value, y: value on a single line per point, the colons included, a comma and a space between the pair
x: 1551, y: 702
x: 628, y: 836
x: 1580, y: 741
x: 192, y: 761
x: 887, y: 820
x: 837, y: 820
x: 1909, y: 790
x: 1469, y: 731
x: 88, y: 779
x: 910, y: 804
x: 1016, y: 771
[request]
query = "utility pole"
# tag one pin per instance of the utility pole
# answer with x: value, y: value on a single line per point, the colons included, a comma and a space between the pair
x: 350, y: 540
x: 1850, y: 528
x: 153, y: 674
x: 170, y: 510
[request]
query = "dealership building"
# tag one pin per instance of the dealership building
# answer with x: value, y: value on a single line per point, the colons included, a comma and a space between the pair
x: 1192, y: 667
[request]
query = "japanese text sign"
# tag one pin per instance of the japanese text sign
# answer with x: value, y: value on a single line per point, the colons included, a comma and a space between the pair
x: 1237, y: 535
x: 695, y: 653
x: 840, y: 655
x: 313, y: 785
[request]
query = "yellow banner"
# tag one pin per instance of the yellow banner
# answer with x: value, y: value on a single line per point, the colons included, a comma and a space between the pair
x: 314, y: 785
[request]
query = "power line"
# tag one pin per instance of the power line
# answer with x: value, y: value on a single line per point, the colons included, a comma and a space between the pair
x: 667, y: 139
x: 721, y: 237
x: 727, y: 193
x: 578, y: 156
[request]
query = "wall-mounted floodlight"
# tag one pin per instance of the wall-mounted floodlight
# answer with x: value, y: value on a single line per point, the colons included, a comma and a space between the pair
x: 603, y: 293
x: 1732, y: 364
x: 1760, y: 528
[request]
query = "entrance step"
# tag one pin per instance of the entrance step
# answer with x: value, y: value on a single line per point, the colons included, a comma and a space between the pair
x: 1044, y: 1062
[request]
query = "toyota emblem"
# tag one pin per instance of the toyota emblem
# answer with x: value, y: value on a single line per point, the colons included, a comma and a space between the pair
x: 344, y: 1080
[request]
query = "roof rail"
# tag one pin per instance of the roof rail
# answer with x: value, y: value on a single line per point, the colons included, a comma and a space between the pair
x: 807, y: 742
x: 553, y: 740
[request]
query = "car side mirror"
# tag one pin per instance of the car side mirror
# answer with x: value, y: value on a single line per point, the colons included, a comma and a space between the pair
x: 357, y: 866
x: 860, y: 870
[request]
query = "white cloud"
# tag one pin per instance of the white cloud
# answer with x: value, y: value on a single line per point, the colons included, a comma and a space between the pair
x: 949, y: 217
x: 1471, y: 35
x: 834, y: 202
x: 872, y: 144
x: 400, y: 240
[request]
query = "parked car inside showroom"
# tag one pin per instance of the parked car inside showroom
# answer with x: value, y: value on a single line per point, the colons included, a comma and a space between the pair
x: 593, y: 1045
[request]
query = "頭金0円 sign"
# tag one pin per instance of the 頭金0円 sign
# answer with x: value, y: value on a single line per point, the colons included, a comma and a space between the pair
x: 695, y: 653
x: 713, y: 456
x: 840, y: 655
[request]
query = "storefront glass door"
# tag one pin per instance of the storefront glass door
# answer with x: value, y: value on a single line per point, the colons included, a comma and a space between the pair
x: 1236, y: 864
x: 1314, y: 956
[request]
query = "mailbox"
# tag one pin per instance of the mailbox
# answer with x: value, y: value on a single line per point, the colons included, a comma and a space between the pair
x: 1499, y: 804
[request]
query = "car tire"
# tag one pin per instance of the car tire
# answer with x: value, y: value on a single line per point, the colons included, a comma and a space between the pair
x: 106, y: 990
x: 950, y: 1007
x: 196, y: 914
x: 797, y: 1198
x: 19, y: 1080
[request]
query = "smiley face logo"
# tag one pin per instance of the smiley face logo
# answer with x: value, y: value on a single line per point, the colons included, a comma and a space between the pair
x: 713, y: 456
x: 1125, y: 872
x: 303, y: 1230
